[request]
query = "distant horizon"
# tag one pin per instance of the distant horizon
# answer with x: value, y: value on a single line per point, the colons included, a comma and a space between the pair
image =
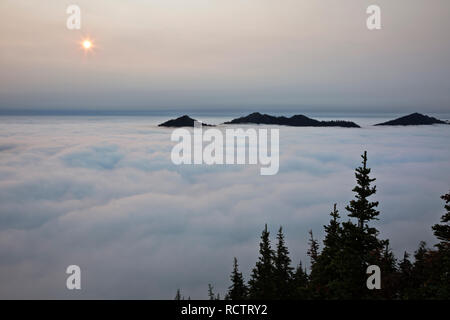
x: 214, y: 112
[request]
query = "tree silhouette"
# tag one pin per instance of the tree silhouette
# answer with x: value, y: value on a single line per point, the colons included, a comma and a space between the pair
x: 262, y: 284
x: 359, y: 245
x: 238, y: 290
x: 300, y: 283
x: 283, y: 269
x: 178, y: 295
x: 405, y: 277
x: 211, y: 295
x: 442, y: 231
x: 325, y: 276
x: 361, y: 209
x: 313, y: 251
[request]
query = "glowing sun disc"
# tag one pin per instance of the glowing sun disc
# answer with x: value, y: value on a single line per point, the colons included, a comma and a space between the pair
x: 87, y: 44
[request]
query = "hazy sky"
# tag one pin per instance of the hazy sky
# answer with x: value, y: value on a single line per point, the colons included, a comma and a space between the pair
x: 234, y: 55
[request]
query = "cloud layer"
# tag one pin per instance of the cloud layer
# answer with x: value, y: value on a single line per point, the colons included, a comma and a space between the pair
x: 102, y: 193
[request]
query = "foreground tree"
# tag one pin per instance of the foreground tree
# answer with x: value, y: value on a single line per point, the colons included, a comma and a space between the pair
x: 405, y: 277
x: 360, y: 246
x: 389, y: 273
x: 238, y: 290
x: 300, y: 284
x: 178, y: 295
x: 313, y: 251
x: 361, y: 208
x: 211, y: 295
x: 325, y: 275
x: 262, y: 284
x: 283, y: 270
x: 442, y: 231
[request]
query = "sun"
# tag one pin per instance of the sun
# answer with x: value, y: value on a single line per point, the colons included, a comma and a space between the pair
x: 87, y: 44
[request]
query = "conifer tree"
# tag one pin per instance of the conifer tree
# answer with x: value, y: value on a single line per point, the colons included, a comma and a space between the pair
x: 441, y: 266
x: 178, y: 295
x: 283, y: 269
x: 238, y: 290
x: 300, y: 283
x: 389, y: 279
x: 325, y: 275
x: 313, y: 250
x: 210, y: 292
x: 262, y: 284
x: 405, y: 277
x: 361, y: 209
x: 442, y: 231
x: 420, y: 273
x: 360, y: 245
x: 332, y: 231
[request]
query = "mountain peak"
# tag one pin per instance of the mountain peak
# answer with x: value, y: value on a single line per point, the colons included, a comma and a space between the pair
x: 183, y: 121
x: 412, y: 119
x: 294, y: 121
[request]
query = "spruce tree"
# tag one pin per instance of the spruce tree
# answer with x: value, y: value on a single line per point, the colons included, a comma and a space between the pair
x: 211, y: 295
x: 300, y: 283
x: 360, y: 244
x: 441, y: 266
x: 262, y: 284
x: 442, y: 231
x: 360, y: 208
x: 283, y: 269
x: 420, y: 272
x: 178, y: 295
x: 389, y: 279
x: 238, y: 290
x: 313, y: 250
x: 332, y: 231
x: 325, y: 275
x: 405, y: 277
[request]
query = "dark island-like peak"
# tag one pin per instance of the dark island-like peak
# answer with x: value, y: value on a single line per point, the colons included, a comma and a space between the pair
x: 183, y: 121
x: 413, y: 119
x: 294, y: 121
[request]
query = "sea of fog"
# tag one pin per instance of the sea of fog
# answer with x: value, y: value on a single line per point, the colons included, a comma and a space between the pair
x: 101, y: 192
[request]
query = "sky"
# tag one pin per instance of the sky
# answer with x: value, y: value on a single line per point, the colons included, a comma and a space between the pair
x: 226, y: 55
x: 103, y: 194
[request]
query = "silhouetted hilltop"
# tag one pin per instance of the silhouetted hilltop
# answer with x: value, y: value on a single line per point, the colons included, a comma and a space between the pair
x: 412, y: 119
x: 294, y: 121
x: 184, y: 121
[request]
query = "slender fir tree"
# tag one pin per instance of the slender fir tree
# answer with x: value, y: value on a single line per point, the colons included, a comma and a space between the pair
x: 178, y: 295
x: 441, y: 274
x: 332, y: 231
x: 262, y: 284
x: 325, y: 274
x: 360, y: 208
x: 238, y: 290
x: 442, y: 231
x: 211, y: 295
x: 389, y: 279
x: 420, y: 274
x: 405, y: 277
x: 300, y: 283
x: 313, y: 251
x: 283, y: 269
x: 360, y: 244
